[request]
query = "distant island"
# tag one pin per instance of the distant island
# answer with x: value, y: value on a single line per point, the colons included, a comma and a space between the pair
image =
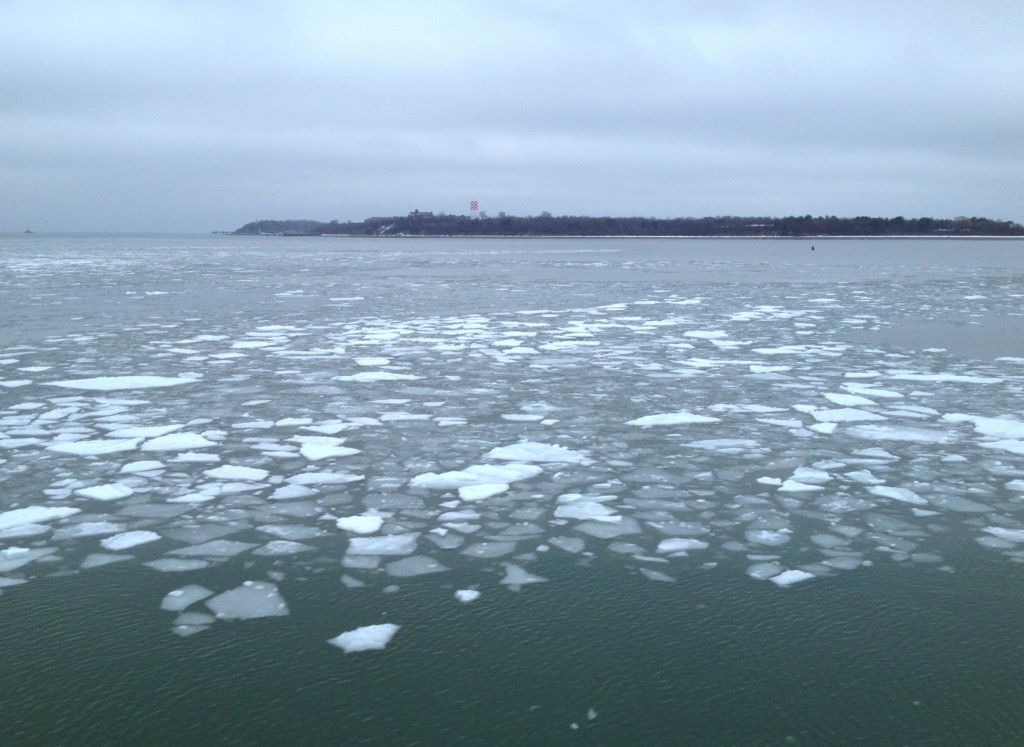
x: 419, y: 223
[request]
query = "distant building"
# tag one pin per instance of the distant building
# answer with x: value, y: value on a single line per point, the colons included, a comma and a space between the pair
x: 420, y: 214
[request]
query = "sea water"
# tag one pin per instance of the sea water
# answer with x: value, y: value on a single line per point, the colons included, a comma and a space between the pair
x: 426, y: 491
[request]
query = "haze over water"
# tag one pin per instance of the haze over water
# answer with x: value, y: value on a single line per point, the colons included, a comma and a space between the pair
x: 666, y: 491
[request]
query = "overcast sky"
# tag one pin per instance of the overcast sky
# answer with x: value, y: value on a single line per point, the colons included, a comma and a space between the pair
x: 199, y: 115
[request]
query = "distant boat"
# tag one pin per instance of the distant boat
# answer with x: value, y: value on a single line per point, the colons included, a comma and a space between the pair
x: 27, y: 230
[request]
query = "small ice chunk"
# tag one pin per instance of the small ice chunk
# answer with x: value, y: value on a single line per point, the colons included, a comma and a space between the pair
x: 366, y: 638
x: 467, y: 595
x: 787, y: 578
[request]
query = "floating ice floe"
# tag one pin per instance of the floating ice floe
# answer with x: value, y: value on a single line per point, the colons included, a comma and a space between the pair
x: 482, y: 474
x: 680, y: 545
x: 179, y: 599
x: 360, y: 524
x: 111, y: 383
x: 177, y: 442
x: 391, y: 544
x: 147, y: 465
x: 111, y: 492
x: 235, y: 472
x: 945, y: 378
x: 177, y: 565
x: 516, y: 576
x: 897, y: 494
x: 125, y: 540
x: 12, y: 558
x: 250, y: 600
x: 324, y: 478
x: 532, y: 451
x: 95, y: 447
x: 35, y: 515
x: 366, y: 638
x: 1010, y: 535
x: 901, y: 433
x: 672, y: 418
x: 415, y: 565
x: 482, y: 491
x: 374, y: 376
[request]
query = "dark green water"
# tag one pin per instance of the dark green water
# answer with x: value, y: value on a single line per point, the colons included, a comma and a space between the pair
x: 890, y: 655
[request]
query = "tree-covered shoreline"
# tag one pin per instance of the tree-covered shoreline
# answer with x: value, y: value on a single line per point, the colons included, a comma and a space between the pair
x: 546, y: 225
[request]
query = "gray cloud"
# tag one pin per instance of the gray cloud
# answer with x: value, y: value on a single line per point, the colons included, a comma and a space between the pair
x: 195, y: 116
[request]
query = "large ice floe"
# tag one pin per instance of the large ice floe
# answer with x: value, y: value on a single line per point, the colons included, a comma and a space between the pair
x: 664, y: 431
